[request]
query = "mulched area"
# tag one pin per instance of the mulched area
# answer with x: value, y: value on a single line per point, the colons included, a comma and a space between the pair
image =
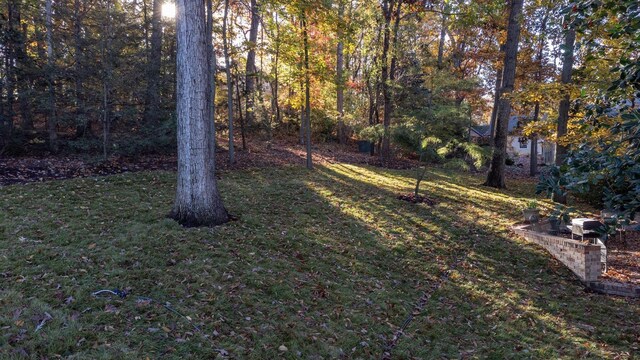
x: 623, y: 260
x: 259, y: 154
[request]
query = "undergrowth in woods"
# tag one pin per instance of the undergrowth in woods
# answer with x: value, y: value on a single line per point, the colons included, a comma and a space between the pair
x: 321, y: 264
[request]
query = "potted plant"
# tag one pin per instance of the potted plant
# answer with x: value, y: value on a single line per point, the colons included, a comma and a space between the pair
x: 560, y: 215
x: 531, y: 212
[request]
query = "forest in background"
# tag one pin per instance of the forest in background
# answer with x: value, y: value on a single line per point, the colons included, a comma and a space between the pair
x: 100, y: 76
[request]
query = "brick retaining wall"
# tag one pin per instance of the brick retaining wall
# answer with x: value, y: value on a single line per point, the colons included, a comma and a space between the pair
x: 581, y: 258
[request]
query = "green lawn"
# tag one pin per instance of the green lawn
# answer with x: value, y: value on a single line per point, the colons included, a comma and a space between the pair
x: 327, y: 263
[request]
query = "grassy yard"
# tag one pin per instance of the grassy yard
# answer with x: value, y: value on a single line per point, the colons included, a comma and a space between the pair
x: 327, y: 264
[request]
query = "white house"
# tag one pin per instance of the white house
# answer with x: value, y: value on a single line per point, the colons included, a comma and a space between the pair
x: 518, y: 146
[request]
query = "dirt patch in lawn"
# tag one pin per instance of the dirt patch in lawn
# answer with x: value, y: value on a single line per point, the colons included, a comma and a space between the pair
x: 417, y: 199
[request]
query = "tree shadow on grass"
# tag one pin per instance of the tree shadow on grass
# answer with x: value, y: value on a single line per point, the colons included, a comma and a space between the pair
x: 516, y: 280
x: 326, y: 263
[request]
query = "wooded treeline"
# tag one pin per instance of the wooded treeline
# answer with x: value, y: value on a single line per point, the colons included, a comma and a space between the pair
x: 100, y: 75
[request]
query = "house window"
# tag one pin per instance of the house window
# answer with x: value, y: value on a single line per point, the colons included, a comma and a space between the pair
x: 524, y: 142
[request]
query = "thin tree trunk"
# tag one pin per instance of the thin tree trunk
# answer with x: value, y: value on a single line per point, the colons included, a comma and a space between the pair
x: 229, y: 80
x: 275, y: 103
x: 211, y: 83
x: 197, y: 201
x: 307, y: 85
x: 251, y: 71
x: 51, y: 120
x: 563, y: 108
x: 387, y: 10
x: 145, y: 26
x: 152, y: 99
x: 81, y: 117
x: 340, y: 76
x: 239, y: 97
x: 443, y: 33
x: 9, y: 61
x: 496, y: 103
x: 22, y: 74
x: 533, y: 158
x: 495, y: 178
x: 106, y: 82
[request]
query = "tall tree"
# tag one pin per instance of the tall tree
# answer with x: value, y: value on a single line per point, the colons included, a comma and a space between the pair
x: 563, y: 108
x: 495, y: 178
x: 307, y: 87
x: 51, y: 119
x: 152, y: 98
x: 533, y: 158
x: 197, y: 201
x: 339, y: 74
x: 251, y: 71
x: 79, y: 58
x: 227, y: 62
x: 387, y: 11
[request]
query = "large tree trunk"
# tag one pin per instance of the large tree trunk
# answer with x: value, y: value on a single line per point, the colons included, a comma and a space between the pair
x: 251, y: 72
x: 197, y: 201
x: 340, y: 77
x: 307, y: 89
x: 152, y: 98
x: 563, y: 108
x: 495, y: 178
x: 227, y: 63
x: 51, y: 120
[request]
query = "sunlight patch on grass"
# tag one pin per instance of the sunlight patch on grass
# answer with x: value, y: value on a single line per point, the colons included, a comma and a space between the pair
x: 328, y: 263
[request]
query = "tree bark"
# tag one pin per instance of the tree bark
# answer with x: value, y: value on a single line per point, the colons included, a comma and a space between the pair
x: 152, y: 99
x: 229, y: 80
x: 197, y: 201
x: 495, y: 178
x: 251, y: 71
x: 563, y: 108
